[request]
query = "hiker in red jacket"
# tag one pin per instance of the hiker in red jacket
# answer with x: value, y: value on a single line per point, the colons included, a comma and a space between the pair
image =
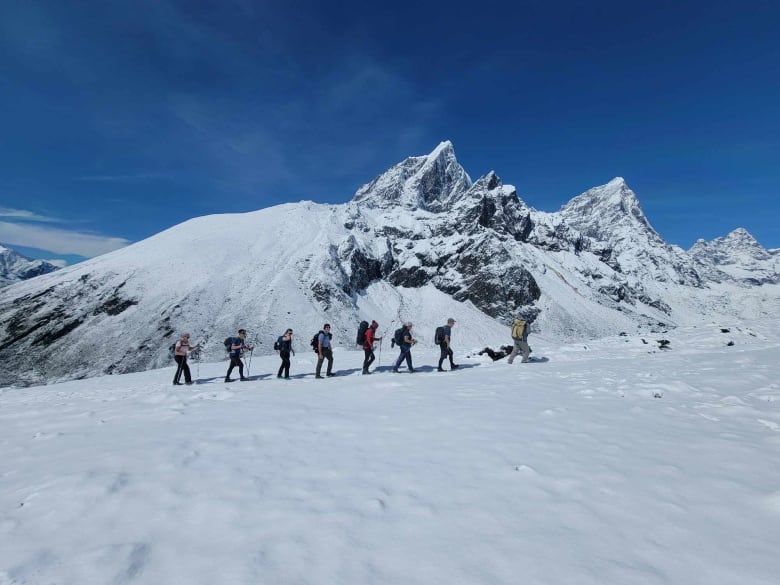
x: 368, y: 346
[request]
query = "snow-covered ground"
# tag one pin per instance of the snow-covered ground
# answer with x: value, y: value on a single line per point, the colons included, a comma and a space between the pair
x: 613, y: 462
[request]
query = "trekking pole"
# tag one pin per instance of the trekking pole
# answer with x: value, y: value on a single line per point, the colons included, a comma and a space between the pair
x: 251, y: 351
x: 379, y: 361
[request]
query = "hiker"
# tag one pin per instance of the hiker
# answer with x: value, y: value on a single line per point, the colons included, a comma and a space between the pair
x: 368, y: 346
x: 237, y: 345
x: 324, y: 351
x: 520, y: 338
x: 405, y: 341
x: 180, y: 352
x: 444, y: 334
x: 285, y: 347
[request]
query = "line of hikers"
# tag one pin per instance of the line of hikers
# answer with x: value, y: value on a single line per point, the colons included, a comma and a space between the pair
x: 321, y: 344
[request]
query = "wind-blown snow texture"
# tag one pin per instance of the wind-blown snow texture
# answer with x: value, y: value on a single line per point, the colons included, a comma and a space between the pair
x: 421, y: 242
x: 613, y: 462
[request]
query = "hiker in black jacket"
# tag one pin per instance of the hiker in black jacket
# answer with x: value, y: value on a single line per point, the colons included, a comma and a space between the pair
x: 285, y: 347
x: 444, y: 344
x: 406, y: 343
x: 237, y: 345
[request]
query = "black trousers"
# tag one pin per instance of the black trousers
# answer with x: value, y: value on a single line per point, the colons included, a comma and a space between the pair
x: 446, y: 352
x: 369, y: 359
x: 285, y: 367
x: 327, y: 354
x: 235, y: 362
x: 181, y: 360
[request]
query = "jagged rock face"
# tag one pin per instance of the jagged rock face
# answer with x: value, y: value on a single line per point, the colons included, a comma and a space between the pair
x: 430, y: 183
x: 14, y: 267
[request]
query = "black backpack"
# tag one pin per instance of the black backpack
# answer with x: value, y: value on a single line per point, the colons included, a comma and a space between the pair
x: 361, y: 334
x: 228, y: 343
x: 438, y: 337
x: 398, y: 336
x: 315, y: 341
x: 172, y: 351
x: 278, y: 343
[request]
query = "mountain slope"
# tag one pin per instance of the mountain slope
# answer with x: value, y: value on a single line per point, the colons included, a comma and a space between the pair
x: 420, y: 242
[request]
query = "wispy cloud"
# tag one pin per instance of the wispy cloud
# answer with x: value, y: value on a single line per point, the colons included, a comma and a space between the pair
x: 57, y: 240
x: 24, y: 215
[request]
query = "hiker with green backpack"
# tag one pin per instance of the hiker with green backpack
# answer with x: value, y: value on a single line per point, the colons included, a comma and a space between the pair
x: 520, y: 338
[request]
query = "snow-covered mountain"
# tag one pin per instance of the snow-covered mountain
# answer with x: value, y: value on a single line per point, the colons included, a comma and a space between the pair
x: 420, y: 242
x: 739, y: 256
x: 15, y: 267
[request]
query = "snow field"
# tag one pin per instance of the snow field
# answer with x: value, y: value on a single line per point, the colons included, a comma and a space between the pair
x: 614, y: 462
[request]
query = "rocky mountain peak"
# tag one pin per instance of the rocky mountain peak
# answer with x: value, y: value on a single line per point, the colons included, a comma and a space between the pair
x: 602, y: 212
x: 733, y: 248
x: 14, y: 267
x: 432, y: 183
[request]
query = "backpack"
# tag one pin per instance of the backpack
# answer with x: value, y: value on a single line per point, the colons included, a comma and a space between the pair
x: 518, y: 329
x: 172, y: 351
x: 398, y: 336
x: 361, y: 334
x: 438, y: 337
x: 315, y: 341
x: 278, y: 343
x: 228, y: 343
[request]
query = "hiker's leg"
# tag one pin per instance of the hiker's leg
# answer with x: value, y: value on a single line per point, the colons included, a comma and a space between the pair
x: 329, y: 356
x: 524, y: 347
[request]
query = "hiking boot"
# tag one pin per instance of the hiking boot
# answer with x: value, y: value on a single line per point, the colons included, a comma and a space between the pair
x: 395, y: 370
x: 439, y: 369
x: 177, y: 383
x: 454, y: 366
x: 411, y: 370
x: 228, y: 379
x: 318, y: 377
x: 278, y: 375
x: 190, y: 383
x: 329, y: 374
x: 244, y: 379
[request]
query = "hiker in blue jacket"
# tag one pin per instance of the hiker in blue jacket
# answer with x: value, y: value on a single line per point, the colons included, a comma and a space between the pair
x: 324, y: 351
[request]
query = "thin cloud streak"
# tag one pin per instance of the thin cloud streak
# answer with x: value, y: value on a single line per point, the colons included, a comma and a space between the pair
x: 24, y: 215
x: 59, y: 241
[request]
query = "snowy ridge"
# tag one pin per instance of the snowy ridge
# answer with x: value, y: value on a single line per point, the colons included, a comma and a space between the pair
x: 421, y: 242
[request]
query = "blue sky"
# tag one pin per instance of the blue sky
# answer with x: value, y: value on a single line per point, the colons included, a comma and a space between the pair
x: 121, y: 118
